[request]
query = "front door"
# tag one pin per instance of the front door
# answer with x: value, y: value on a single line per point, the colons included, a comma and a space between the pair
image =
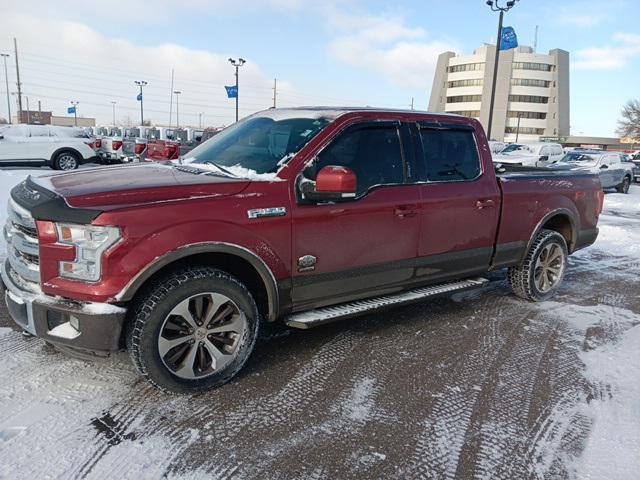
x: 460, y: 204
x: 366, y: 245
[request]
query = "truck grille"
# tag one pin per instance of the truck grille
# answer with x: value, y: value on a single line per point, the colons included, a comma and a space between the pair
x: 23, y: 249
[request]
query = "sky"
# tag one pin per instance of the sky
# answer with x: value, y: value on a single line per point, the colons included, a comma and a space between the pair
x: 347, y: 52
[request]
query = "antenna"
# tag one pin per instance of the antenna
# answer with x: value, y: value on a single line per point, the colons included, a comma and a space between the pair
x: 535, y: 41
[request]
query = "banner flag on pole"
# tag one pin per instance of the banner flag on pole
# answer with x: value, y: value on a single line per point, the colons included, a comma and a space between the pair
x: 508, y: 39
x: 139, y: 97
x: 232, y: 91
x: 71, y: 110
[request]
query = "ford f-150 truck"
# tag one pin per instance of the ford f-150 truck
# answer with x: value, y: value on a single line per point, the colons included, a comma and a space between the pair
x: 300, y: 215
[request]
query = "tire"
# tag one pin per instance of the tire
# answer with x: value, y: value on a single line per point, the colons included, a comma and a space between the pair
x: 624, y: 186
x: 528, y: 280
x: 66, y: 161
x: 183, y: 363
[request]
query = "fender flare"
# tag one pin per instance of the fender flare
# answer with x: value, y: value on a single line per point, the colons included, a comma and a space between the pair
x: 266, y: 275
x: 564, y: 212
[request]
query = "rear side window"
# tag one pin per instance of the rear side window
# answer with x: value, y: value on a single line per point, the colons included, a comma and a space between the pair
x: 449, y: 155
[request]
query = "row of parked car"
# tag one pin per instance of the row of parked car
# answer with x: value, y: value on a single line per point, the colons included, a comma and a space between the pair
x: 616, y: 169
x: 151, y: 143
x: 65, y: 148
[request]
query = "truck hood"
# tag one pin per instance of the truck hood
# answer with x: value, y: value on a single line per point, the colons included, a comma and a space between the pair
x: 515, y: 158
x: 110, y: 188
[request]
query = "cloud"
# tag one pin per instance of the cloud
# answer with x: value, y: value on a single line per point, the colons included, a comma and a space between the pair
x: 62, y: 61
x: 622, y: 48
x: 385, y: 45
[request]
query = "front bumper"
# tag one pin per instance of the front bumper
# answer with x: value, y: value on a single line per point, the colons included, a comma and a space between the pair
x: 87, y: 328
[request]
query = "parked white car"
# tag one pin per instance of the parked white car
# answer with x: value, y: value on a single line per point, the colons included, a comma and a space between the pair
x: 61, y: 148
x: 614, y: 169
x: 530, y: 154
x: 497, y: 147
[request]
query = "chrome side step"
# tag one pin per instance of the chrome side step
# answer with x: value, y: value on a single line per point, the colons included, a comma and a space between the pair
x: 320, y: 316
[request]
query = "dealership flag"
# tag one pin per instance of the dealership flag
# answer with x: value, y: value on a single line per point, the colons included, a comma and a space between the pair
x: 71, y: 110
x: 232, y: 91
x: 139, y: 97
x: 509, y: 39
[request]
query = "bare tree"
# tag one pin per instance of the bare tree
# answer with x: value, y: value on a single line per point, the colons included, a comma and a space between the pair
x: 629, y: 124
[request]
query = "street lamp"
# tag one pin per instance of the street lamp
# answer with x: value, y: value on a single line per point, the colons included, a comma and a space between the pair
x: 177, y: 92
x: 237, y: 63
x: 6, y: 82
x: 495, y: 7
x: 75, y: 111
x: 113, y: 105
x: 141, y: 83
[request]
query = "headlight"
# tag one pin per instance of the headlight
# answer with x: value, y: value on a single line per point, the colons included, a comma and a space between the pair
x: 90, y: 242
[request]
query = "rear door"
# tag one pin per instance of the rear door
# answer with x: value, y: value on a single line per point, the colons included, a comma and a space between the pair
x: 460, y: 204
x: 368, y: 244
x: 13, y: 145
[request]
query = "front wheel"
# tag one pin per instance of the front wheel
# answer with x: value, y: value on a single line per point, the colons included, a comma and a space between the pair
x: 543, y: 269
x: 624, y: 186
x: 193, y: 330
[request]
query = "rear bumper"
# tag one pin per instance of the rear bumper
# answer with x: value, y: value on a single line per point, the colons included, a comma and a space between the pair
x: 89, y: 328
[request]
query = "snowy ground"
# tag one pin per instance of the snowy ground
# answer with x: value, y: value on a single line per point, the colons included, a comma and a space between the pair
x: 481, y: 385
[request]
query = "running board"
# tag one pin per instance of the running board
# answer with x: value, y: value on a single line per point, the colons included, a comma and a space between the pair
x: 320, y: 316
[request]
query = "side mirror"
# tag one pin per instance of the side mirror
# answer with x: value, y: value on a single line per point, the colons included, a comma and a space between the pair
x: 333, y: 183
x: 544, y: 158
x: 604, y: 167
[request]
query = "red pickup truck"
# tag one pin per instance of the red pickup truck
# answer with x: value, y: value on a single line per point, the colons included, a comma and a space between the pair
x: 299, y: 215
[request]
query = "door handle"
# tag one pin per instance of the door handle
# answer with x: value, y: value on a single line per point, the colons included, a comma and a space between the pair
x: 406, y: 212
x: 482, y: 204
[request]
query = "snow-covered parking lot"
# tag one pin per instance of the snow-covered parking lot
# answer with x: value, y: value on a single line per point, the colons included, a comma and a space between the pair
x: 480, y: 385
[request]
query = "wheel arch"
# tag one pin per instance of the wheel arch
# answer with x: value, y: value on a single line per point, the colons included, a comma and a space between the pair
x: 60, y: 150
x: 235, y: 260
x: 561, y: 221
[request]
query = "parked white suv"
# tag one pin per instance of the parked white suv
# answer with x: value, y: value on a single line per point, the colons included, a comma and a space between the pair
x: 530, y: 154
x: 61, y: 148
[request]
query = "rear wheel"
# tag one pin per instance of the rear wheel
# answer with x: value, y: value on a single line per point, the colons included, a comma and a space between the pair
x: 624, y: 186
x: 66, y: 161
x: 543, y: 269
x: 193, y: 331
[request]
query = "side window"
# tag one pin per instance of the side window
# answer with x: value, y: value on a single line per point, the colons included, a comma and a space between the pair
x: 545, y: 151
x: 450, y: 155
x: 14, y: 132
x: 373, y: 153
x: 39, y: 131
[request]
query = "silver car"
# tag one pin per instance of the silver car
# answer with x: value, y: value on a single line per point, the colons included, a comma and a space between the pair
x: 613, y: 169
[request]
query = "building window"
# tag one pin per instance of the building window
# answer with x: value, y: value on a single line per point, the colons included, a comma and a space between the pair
x: 530, y: 82
x: 473, y: 82
x: 468, y: 113
x: 466, y: 68
x: 528, y: 99
x: 533, y: 115
x: 524, y: 130
x: 464, y: 98
x: 545, y: 67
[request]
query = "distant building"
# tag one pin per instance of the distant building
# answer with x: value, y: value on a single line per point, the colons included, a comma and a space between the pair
x: 38, y: 117
x: 530, y: 85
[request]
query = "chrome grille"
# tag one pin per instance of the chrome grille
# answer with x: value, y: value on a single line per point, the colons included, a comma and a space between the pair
x: 21, y: 236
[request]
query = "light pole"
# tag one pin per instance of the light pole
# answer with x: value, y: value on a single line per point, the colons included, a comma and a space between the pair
x: 6, y: 82
x: 177, y: 92
x: 113, y: 106
x: 237, y: 64
x: 495, y: 7
x: 200, y: 119
x: 518, y: 127
x: 75, y: 111
x: 141, y: 83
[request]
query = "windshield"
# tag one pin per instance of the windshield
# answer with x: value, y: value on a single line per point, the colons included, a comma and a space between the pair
x: 578, y: 157
x: 262, y: 142
x: 514, y: 147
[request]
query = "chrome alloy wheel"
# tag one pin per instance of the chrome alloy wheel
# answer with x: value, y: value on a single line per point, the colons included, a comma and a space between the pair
x: 200, y: 336
x: 549, y: 267
x: 67, y: 161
